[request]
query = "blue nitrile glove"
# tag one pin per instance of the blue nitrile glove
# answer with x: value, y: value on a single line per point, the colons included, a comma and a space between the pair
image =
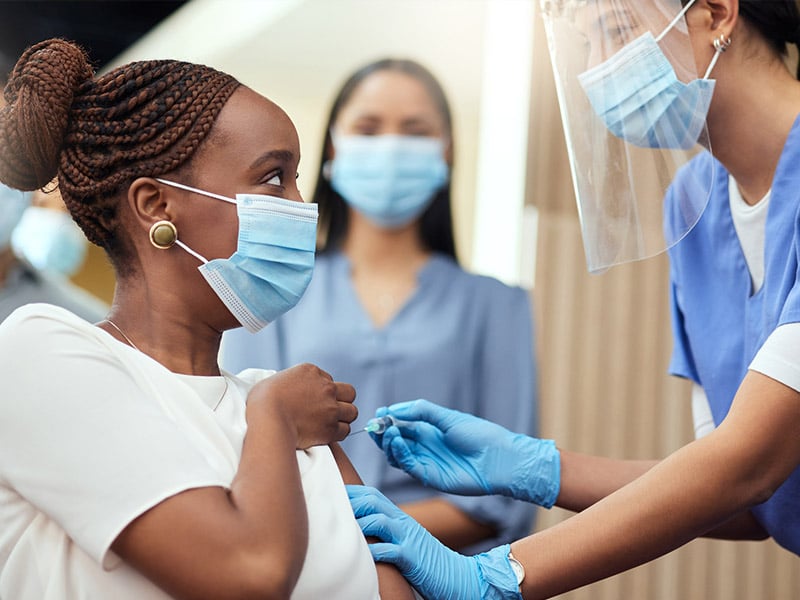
x: 433, y: 569
x: 459, y: 453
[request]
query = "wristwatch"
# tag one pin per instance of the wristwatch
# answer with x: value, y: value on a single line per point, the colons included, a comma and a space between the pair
x: 518, y: 569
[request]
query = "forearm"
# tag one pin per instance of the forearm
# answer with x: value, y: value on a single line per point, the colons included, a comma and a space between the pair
x: 447, y: 522
x: 694, y: 491
x: 391, y: 583
x: 704, y: 487
x: 689, y: 493
x: 586, y: 479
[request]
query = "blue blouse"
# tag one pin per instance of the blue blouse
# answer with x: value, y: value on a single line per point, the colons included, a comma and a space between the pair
x: 463, y: 341
x: 718, y: 324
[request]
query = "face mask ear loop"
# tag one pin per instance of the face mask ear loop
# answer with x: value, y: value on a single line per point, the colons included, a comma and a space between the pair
x: 720, y: 45
x: 675, y: 20
x: 190, y: 251
x: 195, y: 190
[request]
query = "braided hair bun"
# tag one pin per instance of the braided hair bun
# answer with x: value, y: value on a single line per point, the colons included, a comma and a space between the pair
x: 143, y: 119
x: 39, y: 94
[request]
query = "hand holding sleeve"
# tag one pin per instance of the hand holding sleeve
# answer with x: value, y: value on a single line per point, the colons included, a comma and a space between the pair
x: 459, y: 453
x: 434, y: 570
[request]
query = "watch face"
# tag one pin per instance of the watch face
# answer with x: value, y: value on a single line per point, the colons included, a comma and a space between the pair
x: 518, y: 569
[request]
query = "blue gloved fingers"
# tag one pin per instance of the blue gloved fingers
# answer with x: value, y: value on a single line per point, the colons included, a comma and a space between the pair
x: 361, y: 494
x: 386, y: 550
x: 428, y: 435
x: 458, y: 453
x: 388, y: 553
x: 375, y: 525
x: 387, y: 529
x: 367, y: 500
x: 417, y: 412
x: 417, y: 430
x: 358, y: 492
x: 440, y: 417
x: 405, y: 455
x: 423, y: 410
x: 390, y: 434
x: 432, y: 462
x: 434, y: 570
x: 392, y: 443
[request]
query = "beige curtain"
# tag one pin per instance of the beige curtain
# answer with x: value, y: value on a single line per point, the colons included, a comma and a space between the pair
x: 603, y: 348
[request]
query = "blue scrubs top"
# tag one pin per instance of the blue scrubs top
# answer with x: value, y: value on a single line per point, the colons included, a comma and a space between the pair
x: 718, y: 324
x: 462, y: 341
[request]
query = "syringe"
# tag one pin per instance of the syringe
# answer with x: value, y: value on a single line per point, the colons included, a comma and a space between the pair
x: 378, y: 425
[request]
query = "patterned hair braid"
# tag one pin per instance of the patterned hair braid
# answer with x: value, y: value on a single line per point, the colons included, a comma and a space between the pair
x: 142, y: 119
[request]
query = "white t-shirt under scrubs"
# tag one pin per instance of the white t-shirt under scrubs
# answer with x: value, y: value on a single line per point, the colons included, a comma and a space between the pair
x: 94, y: 433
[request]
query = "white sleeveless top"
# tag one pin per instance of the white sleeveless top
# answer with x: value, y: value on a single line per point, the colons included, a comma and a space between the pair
x: 94, y: 433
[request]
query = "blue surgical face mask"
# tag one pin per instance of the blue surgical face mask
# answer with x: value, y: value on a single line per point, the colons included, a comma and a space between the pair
x: 274, y: 258
x: 641, y: 100
x: 390, y: 179
x: 50, y: 240
x: 12, y: 204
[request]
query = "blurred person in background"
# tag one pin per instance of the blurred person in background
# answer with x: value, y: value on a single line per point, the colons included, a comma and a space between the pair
x: 390, y: 309
x: 47, y: 237
x: 40, y: 247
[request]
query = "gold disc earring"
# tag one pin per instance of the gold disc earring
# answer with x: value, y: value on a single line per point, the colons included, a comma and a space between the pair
x: 163, y: 234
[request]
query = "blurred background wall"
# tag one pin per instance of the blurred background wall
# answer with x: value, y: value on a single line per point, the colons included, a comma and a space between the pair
x: 603, y: 341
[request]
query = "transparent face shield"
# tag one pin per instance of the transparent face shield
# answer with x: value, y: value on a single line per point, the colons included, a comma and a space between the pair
x: 633, y: 108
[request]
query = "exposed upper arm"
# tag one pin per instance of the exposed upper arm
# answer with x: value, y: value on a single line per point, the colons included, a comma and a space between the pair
x: 392, y: 584
x: 346, y: 468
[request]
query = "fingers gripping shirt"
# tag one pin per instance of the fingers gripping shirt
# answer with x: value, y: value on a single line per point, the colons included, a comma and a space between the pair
x: 95, y: 433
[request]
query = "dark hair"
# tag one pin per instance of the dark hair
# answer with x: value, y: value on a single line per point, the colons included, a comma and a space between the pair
x: 778, y: 22
x: 142, y: 119
x: 436, y: 223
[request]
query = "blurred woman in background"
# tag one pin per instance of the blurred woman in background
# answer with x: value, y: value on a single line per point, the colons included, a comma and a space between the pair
x: 389, y: 308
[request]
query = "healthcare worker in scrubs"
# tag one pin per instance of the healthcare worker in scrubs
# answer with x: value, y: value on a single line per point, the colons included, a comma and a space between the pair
x: 729, y: 137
